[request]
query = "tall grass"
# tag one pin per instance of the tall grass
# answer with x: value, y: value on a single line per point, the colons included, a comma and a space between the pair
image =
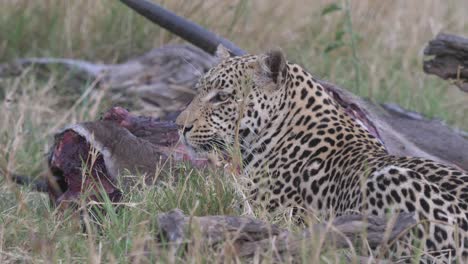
x: 382, y: 44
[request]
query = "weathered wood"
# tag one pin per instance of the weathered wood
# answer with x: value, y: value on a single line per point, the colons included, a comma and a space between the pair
x: 157, y: 83
x: 450, y: 61
x: 251, y: 236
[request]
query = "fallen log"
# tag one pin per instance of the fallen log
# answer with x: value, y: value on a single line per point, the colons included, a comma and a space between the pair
x: 248, y: 237
x: 159, y: 82
x: 450, y: 59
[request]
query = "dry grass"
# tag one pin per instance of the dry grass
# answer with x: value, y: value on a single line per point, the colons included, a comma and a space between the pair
x: 388, y: 40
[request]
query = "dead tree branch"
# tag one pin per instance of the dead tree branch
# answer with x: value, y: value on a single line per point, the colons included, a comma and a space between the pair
x: 252, y: 236
x: 450, y: 61
x: 191, y: 32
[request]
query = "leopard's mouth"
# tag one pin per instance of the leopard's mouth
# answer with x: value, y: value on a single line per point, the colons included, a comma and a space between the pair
x: 214, y: 144
x: 210, y: 146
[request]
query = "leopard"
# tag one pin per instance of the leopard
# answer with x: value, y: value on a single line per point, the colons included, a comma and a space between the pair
x: 301, y: 149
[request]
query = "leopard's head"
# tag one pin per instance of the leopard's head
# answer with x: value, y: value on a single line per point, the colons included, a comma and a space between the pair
x: 236, y: 97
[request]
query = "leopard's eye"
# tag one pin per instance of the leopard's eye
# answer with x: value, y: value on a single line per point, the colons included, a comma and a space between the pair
x: 220, y: 97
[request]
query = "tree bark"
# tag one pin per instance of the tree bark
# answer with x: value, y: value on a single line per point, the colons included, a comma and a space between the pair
x: 249, y: 236
x: 450, y: 59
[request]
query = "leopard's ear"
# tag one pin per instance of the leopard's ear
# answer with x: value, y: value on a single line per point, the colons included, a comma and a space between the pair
x: 272, y: 65
x: 222, y: 52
